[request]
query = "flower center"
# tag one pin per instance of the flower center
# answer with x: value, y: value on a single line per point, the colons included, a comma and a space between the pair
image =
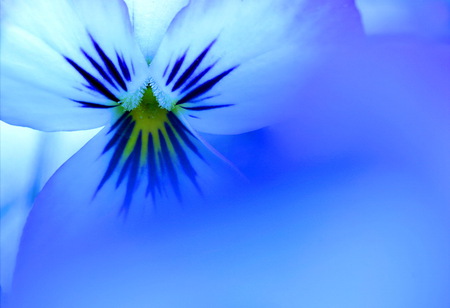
x: 150, y: 144
x: 149, y: 113
x: 148, y: 94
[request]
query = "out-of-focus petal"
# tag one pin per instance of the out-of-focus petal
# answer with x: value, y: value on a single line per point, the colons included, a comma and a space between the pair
x: 429, y: 19
x: 65, y: 67
x: 150, y: 20
x: 233, y: 66
x: 28, y: 159
x: 386, y: 101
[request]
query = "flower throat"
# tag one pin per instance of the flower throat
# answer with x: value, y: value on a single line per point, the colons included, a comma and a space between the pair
x: 148, y: 94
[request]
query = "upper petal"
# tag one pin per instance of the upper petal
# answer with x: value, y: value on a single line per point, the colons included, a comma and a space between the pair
x: 64, y: 68
x: 235, y: 66
x: 150, y: 20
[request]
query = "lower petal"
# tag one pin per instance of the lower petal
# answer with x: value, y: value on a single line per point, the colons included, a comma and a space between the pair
x: 135, y: 165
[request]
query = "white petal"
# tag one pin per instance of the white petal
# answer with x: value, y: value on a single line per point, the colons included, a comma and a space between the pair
x: 150, y: 20
x: 235, y: 66
x: 69, y: 60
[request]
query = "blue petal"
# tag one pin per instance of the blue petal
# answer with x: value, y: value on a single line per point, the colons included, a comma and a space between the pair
x: 134, y: 164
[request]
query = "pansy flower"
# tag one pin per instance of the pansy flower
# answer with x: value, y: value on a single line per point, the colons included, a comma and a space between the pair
x: 156, y: 74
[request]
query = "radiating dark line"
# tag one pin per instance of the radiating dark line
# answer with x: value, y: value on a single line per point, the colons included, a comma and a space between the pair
x: 204, y: 87
x: 152, y: 168
x: 135, y: 158
x: 181, y: 154
x: 197, y: 78
x: 126, y: 165
x: 94, y: 105
x: 177, y: 124
x: 176, y: 68
x: 109, y: 65
x: 116, y: 157
x: 124, y: 169
x: 123, y: 67
x: 201, y: 108
x: 99, y: 69
x: 172, y: 174
x: 89, y: 87
x: 122, y: 117
x: 95, y: 84
x: 202, y: 99
x: 181, y: 130
x: 166, y: 69
x: 162, y: 168
x: 190, y: 70
x: 124, y: 129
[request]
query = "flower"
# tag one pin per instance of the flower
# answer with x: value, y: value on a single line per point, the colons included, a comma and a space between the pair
x: 345, y: 218
x: 221, y: 67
